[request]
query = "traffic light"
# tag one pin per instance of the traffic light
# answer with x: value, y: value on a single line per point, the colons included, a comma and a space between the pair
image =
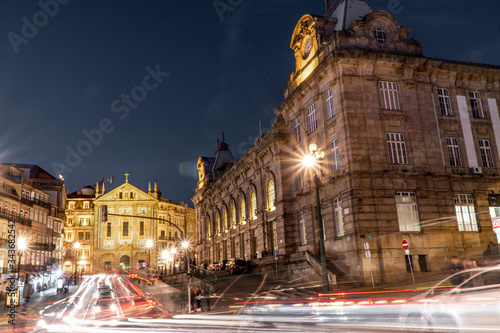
x: 189, y: 275
x: 104, y: 213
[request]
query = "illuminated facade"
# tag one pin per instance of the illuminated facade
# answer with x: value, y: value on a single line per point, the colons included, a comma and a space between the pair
x: 412, y: 146
x: 34, y: 200
x: 79, y: 230
x: 121, y: 241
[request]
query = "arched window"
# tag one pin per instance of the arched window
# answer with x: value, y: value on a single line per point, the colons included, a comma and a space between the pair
x: 217, y: 223
x: 233, y: 216
x: 271, y: 196
x: 243, y: 211
x: 209, y: 228
x: 253, y: 206
x: 224, y: 218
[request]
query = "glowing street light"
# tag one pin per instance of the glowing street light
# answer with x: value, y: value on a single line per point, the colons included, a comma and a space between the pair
x: 149, y: 245
x: 22, y: 245
x: 185, y: 245
x: 165, y: 255
x: 310, y: 161
x: 76, y: 246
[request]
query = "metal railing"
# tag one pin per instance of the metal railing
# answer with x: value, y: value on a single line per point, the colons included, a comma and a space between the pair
x: 203, y: 273
x: 15, y: 217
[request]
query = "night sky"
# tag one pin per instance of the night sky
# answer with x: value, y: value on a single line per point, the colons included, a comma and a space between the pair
x: 64, y: 84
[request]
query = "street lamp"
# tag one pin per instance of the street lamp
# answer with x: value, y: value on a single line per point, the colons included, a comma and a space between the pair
x: 76, y: 246
x: 149, y: 245
x: 311, y: 161
x: 165, y: 254
x: 173, y: 251
x: 185, y: 246
x: 22, y: 245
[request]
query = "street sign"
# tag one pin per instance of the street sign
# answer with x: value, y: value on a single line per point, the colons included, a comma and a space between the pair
x: 367, y: 246
x: 368, y: 254
x: 495, y: 223
x: 276, y: 254
x: 405, y: 244
x: 137, y: 266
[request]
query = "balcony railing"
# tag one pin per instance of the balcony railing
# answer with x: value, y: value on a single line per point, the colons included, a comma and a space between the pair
x: 31, y: 202
x: 15, y: 217
x: 168, y: 238
x: 43, y: 247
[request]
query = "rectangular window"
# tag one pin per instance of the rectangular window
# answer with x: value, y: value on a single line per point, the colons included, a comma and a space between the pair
x: 389, y: 95
x: 81, y: 235
x: 409, y: 263
x: 108, y: 230
x: 141, y: 228
x: 486, y: 154
x: 397, y: 148
x: 329, y: 104
x: 300, y: 179
x: 125, y: 229
x: 406, y: 204
x: 454, y: 152
x: 296, y: 129
x: 475, y: 103
x: 311, y: 118
x: 302, y: 227
x: 335, y: 155
x: 466, y: 212
x: 339, y: 218
x: 87, y: 235
x: 445, y: 102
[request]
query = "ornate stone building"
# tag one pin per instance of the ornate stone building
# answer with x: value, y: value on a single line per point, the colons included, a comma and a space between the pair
x: 121, y: 240
x: 412, y: 148
x: 34, y: 200
x: 79, y: 230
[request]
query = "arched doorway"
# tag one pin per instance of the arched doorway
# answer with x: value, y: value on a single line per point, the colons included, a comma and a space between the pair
x: 125, y: 261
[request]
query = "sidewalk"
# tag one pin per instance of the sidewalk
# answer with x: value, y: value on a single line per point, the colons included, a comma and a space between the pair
x: 40, y: 299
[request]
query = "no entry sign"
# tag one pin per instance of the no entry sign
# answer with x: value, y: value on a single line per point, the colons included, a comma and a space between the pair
x: 405, y: 244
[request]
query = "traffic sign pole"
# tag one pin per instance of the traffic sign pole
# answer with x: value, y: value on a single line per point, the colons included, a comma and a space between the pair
x: 406, y: 247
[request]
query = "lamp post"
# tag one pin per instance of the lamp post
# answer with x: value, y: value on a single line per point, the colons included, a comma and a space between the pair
x: 21, y: 247
x: 165, y: 255
x: 310, y: 161
x: 76, y: 246
x: 185, y: 246
x: 173, y: 251
x: 149, y: 245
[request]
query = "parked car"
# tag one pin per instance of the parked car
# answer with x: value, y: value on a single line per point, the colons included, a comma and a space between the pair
x: 473, y: 304
x: 236, y: 266
x: 214, y: 266
x: 222, y: 264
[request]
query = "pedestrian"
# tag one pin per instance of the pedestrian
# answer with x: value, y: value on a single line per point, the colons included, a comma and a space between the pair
x: 456, y: 267
x: 468, y: 264
x: 198, y: 298
x: 492, y: 253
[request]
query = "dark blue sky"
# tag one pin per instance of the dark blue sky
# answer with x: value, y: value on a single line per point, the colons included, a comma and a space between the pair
x: 72, y: 74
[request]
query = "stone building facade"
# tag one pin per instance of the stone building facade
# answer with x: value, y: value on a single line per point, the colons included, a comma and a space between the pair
x: 78, y: 229
x: 33, y: 201
x: 121, y: 240
x: 412, y: 146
